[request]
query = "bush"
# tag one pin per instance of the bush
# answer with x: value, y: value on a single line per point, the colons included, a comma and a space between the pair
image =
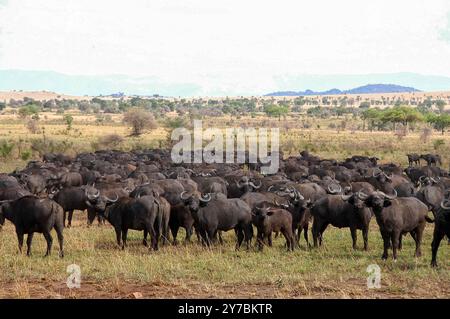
x: 107, y: 142
x: 139, y: 120
x: 26, y: 155
x: 6, y: 149
x: 33, y: 127
x: 44, y: 145
x: 438, y: 143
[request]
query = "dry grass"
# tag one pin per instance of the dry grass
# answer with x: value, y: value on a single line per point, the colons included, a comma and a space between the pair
x: 335, y: 270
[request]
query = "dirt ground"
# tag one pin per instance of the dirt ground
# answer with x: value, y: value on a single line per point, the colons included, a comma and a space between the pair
x: 126, y: 289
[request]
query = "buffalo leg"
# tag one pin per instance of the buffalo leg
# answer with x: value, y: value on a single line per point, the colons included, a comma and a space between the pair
x: 289, y: 239
x: 29, y: 240
x: 315, y: 232
x: 297, y: 233
x: 395, y: 238
x: 305, y: 235
x: 49, y: 239
x: 418, y: 240
x: 365, y: 233
x: 20, y: 234
x: 269, y: 239
x: 91, y: 216
x: 386, y: 246
x: 322, y: 230
x: 260, y: 240
x: 240, y: 238
x: 124, y: 238
x: 220, y: 237
x: 69, y: 219
x: 118, y: 233
x: 174, y: 231
x: 354, y: 237
x: 153, y: 236
x: 59, y: 234
x: 248, y: 234
x: 437, y: 237
x: 188, y: 235
x: 144, y: 241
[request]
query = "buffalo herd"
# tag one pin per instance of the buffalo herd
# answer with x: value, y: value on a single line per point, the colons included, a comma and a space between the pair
x: 143, y: 190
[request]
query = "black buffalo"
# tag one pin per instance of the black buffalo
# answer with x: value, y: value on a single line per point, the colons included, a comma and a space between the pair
x: 31, y: 215
x: 396, y: 217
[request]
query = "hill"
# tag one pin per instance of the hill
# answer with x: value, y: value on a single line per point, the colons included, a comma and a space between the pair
x: 366, y: 89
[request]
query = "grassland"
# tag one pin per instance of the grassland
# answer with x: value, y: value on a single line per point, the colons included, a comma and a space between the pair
x: 335, y: 270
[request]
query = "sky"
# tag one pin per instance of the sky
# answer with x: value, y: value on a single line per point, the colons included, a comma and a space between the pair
x: 230, y: 46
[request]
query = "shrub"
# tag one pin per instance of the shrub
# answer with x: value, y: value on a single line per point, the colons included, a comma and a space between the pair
x: 438, y: 143
x: 6, y: 149
x: 108, y: 141
x: 33, y: 127
x: 139, y: 120
x: 26, y: 155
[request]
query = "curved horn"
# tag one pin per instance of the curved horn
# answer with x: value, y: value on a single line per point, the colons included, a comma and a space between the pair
x: 435, y: 181
x: 206, y: 198
x: 181, y: 195
x: 389, y: 196
x: 376, y: 174
x: 362, y: 195
x: 298, y: 195
x: 270, y: 188
x: 444, y: 204
x: 91, y: 196
x: 112, y: 200
x: 334, y: 191
x: 421, y: 178
x: 346, y: 197
x: 254, y: 186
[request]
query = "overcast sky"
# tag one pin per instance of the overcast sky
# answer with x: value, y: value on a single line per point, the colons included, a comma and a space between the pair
x: 243, y: 44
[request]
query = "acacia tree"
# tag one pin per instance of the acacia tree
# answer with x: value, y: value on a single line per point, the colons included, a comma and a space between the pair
x: 139, y: 120
x: 440, y: 122
x: 401, y: 114
x: 276, y: 111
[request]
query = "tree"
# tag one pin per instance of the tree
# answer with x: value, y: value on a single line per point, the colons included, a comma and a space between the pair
x: 364, y: 105
x: 69, y: 120
x: 276, y: 111
x: 440, y: 122
x: 29, y: 110
x: 440, y: 104
x: 401, y: 114
x: 371, y: 115
x: 139, y: 120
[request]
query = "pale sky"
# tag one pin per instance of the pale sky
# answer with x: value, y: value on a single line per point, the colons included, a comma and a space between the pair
x: 243, y: 44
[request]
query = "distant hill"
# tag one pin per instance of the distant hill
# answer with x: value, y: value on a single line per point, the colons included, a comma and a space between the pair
x: 366, y: 89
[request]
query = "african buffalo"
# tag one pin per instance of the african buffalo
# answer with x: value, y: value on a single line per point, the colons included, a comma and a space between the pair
x: 31, y: 215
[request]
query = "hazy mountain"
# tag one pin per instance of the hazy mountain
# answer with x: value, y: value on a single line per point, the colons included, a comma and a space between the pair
x: 91, y: 85
x: 289, y: 83
x: 366, y: 89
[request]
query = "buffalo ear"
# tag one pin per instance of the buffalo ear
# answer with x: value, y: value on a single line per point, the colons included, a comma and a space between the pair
x: 387, y: 203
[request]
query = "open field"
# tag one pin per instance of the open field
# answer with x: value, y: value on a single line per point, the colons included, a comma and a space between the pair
x: 334, y: 270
